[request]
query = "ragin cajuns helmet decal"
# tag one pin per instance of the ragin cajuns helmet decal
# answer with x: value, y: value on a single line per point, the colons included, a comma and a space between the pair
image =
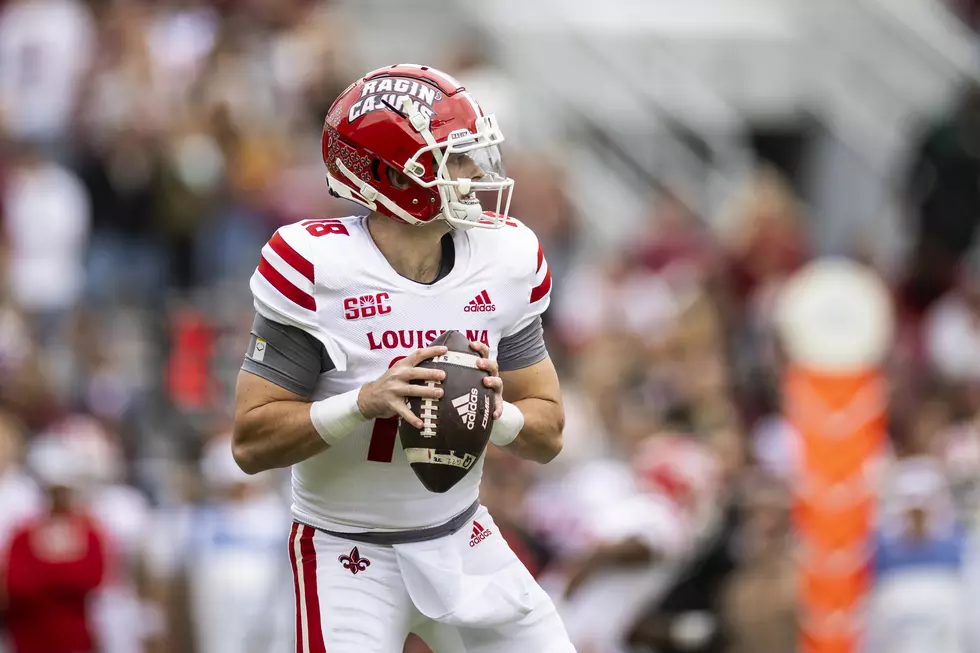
x: 388, y: 93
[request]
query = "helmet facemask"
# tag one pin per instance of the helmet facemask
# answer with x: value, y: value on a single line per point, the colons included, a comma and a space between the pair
x: 461, y: 207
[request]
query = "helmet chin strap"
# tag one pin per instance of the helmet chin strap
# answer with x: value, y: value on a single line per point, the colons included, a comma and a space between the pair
x: 367, y: 195
x: 465, y: 213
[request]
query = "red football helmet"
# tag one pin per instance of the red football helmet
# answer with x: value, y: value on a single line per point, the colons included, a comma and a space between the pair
x: 416, y: 121
x: 679, y: 467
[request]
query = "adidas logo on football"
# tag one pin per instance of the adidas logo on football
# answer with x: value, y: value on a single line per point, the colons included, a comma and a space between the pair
x: 480, y: 304
x: 466, y: 406
x: 479, y: 534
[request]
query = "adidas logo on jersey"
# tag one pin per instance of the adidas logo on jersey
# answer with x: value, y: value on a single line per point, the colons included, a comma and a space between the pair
x: 479, y: 534
x: 480, y: 304
x: 466, y: 405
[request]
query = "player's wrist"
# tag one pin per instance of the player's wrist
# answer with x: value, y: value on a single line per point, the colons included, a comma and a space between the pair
x: 334, y: 418
x: 508, y: 426
x: 360, y: 400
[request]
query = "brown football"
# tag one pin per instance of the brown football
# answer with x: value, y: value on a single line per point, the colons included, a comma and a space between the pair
x: 457, y: 425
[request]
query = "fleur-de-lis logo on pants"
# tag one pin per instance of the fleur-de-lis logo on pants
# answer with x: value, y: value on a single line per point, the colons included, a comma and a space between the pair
x: 354, y: 562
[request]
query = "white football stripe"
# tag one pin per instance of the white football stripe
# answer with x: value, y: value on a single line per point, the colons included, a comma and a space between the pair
x: 286, y: 270
x: 439, y: 457
x: 456, y: 358
x: 542, y: 273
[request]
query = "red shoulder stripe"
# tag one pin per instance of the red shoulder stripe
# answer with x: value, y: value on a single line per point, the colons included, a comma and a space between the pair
x: 542, y: 288
x: 540, y: 258
x: 285, y: 286
x: 292, y: 258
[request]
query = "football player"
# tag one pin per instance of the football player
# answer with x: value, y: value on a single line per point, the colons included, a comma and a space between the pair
x: 635, y: 525
x: 346, y: 309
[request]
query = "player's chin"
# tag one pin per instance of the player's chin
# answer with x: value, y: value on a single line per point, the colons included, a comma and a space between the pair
x: 436, y: 226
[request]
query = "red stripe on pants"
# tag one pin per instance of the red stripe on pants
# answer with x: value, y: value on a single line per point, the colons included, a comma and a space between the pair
x: 314, y: 629
x: 292, y: 562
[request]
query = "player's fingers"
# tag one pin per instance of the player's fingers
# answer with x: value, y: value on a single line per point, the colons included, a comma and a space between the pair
x: 425, y: 353
x: 402, y: 410
x: 494, y: 382
x: 488, y: 365
x: 422, y: 374
x: 480, y: 348
x: 415, y: 390
x: 497, y: 385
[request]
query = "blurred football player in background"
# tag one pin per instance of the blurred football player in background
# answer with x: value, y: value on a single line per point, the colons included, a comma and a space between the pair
x: 345, y: 309
x: 625, y: 523
x: 55, y: 563
x: 920, y: 562
x: 123, y: 619
x: 20, y: 497
x: 222, y: 561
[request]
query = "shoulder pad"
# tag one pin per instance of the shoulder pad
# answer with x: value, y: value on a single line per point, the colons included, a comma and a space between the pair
x: 284, y: 283
x: 529, y: 258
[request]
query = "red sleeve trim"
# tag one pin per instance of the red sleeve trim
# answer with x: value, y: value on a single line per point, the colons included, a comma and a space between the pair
x: 292, y: 258
x: 285, y: 286
x: 541, y: 289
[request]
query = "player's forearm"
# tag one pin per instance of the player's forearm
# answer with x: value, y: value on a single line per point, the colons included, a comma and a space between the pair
x: 273, y: 435
x: 625, y: 553
x: 540, y: 439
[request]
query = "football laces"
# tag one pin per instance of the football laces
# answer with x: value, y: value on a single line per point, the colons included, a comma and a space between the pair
x: 430, y: 412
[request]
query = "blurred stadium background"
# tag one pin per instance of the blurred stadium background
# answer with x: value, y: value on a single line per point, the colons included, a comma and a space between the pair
x: 679, y: 160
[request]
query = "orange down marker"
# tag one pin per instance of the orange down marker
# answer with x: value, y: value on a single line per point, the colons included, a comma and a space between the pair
x: 836, y: 326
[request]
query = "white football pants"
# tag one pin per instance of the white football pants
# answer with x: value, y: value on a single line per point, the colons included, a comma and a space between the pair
x: 462, y: 593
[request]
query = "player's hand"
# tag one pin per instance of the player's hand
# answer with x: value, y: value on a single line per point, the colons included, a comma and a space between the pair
x: 625, y: 554
x: 494, y: 382
x: 387, y: 396
x: 579, y: 572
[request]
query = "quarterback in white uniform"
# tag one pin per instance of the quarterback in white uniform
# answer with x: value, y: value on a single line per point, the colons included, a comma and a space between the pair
x: 345, y: 311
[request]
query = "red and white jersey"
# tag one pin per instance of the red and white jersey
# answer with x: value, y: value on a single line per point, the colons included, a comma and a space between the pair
x: 328, y: 278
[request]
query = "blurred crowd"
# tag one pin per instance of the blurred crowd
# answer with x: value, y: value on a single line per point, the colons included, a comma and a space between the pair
x: 149, y: 149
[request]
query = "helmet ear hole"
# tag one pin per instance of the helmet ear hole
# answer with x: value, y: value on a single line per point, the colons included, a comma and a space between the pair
x: 375, y: 165
x: 397, y: 179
